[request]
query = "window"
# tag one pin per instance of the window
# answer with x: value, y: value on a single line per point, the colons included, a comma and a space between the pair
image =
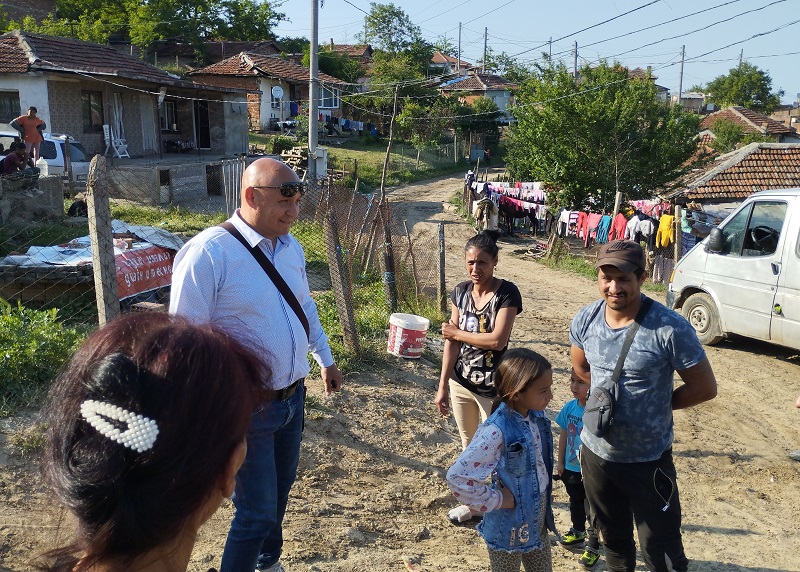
x: 328, y: 98
x: 47, y: 149
x: 755, y: 230
x: 92, y: 111
x: 169, y: 116
x: 9, y: 106
x: 276, y: 102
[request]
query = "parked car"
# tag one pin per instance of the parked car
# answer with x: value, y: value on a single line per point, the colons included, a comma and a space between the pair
x: 744, y: 278
x: 52, y: 150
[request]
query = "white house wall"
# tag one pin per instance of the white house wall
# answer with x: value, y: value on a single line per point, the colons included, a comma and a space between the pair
x: 32, y: 89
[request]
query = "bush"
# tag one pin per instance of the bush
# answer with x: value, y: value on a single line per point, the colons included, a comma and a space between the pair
x: 281, y: 143
x: 35, y: 345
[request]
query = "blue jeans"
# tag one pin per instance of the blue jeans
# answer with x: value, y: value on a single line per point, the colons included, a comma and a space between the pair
x: 263, y: 483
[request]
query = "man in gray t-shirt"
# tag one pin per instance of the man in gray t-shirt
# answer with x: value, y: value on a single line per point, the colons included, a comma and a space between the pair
x: 628, y: 472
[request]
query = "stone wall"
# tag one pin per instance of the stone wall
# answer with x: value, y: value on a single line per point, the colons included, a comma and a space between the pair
x: 20, y: 205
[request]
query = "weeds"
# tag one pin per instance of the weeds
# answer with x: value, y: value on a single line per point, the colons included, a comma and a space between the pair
x: 28, y: 442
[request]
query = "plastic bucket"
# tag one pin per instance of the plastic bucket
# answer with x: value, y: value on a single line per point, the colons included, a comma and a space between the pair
x: 406, y: 335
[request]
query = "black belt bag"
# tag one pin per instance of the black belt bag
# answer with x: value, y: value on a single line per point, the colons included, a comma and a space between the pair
x: 598, y: 415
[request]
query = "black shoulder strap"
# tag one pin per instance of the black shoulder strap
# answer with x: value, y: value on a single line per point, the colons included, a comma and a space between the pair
x: 273, y: 275
x: 637, y: 321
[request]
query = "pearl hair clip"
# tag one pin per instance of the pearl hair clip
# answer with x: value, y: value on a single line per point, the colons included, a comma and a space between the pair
x: 140, y: 434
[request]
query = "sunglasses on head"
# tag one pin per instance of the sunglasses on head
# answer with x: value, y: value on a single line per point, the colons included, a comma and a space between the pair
x: 287, y: 189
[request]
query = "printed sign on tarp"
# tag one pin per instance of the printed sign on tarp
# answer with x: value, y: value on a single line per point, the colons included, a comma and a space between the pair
x: 143, y: 269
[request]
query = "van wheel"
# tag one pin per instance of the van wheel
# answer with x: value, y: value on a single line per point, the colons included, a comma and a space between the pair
x: 701, y: 312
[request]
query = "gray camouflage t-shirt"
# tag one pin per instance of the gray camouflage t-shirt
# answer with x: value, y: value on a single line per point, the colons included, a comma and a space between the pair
x: 665, y: 343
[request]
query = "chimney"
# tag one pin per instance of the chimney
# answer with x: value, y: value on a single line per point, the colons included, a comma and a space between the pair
x: 331, y: 44
x: 649, y: 71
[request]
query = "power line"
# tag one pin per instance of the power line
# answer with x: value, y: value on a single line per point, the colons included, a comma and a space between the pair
x: 590, y: 27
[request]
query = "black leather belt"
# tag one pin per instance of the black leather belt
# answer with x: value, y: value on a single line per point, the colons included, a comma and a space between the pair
x: 285, y: 393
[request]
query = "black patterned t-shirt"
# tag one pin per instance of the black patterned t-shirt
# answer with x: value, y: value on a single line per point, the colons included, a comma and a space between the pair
x: 475, y: 367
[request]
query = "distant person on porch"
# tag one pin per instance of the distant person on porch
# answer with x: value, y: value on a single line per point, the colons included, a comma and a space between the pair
x: 31, y: 130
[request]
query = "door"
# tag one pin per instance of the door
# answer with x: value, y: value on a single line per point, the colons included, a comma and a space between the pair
x: 786, y: 314
x: 202, y: 128
x: 745, y: 274
x: 148, y: 113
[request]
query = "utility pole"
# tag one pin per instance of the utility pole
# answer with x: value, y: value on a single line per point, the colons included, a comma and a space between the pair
x: 485, y: 39
x: 575, y: 61
x: 550, y: 51
x: 313, y: 93
x: 741, y: 54
x: 458, y: 63
x: 680, y: 80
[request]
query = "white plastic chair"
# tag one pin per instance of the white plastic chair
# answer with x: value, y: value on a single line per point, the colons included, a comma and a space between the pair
x: 119, y: 146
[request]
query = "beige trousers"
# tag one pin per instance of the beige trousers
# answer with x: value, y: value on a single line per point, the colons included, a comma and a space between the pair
x: 469, y: 411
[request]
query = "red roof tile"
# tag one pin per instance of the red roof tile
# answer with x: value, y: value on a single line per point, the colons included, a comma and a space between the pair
x: 217, y: 51
x: 477, y: 82
x: 440, y: 58
x: 354, y: 51
x: 249, y: 64
x: 755, y: 167
x: 748, y: 120
x: 51, y: 53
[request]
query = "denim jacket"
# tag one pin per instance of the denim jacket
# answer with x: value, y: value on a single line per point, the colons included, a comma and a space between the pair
x: 516, y: 529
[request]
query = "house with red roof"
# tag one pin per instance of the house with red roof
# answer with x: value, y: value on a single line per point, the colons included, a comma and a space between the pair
x: 260, y: 75
x: 80, y: 87
x: 752, y: 123
x: 732, y: 177
x: 475, y: 85
x: 442, y: 64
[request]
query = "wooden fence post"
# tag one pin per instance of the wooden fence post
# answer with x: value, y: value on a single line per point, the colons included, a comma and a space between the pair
x: 339, y: 280
x: 102, y: 239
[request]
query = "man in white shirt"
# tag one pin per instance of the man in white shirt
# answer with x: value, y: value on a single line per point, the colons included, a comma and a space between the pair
x: 216, y: 279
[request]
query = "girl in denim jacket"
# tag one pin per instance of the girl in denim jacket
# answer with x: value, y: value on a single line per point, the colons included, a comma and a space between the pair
x: 515, y: 446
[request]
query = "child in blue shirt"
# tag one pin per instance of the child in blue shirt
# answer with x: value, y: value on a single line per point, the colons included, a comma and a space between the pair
x: 570, y: 419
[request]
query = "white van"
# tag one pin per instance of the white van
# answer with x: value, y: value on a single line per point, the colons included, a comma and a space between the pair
x: 744, y: 278
x: 52, y: 150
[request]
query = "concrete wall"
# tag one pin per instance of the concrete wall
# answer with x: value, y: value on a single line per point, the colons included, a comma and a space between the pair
x: 32, y: 90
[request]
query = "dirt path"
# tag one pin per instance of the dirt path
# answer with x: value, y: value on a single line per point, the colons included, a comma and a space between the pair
x: 371, y: 496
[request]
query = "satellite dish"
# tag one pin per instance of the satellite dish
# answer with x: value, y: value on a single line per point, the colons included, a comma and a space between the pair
x: 239, y: 105
x: 277, y: 92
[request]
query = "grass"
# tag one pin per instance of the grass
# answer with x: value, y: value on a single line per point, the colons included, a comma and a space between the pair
x: 579, y: 265
x: 29, y: 441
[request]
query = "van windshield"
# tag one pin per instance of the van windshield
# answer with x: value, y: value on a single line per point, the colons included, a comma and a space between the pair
x: 755, y: 230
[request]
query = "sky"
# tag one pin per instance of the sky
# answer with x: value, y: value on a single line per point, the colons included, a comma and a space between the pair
x: 715, y: 33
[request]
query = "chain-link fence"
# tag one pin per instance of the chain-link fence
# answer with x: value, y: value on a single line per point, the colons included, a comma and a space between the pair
x: 115, y: 253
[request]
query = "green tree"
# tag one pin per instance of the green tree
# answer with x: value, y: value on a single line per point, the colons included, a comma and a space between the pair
x: 604, y: 134
x: 504, y: 65
x: 387, y: 27
x: 293, y: 45
x: 483, y: 120
x: 727, y: 135
x: 445, y: 46
x: 744, y: 85
x: 336, y: 64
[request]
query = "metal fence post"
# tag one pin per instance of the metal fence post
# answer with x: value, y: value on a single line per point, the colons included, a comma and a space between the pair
x: 102, y: 239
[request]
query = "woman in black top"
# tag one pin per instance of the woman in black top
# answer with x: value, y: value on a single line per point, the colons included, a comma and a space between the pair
x: 483, y: 309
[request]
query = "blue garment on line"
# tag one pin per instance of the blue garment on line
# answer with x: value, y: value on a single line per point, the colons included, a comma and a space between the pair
x: 602, y: 229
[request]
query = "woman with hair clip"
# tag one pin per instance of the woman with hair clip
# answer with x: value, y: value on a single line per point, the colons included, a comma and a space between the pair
x: 483, y: 310
x: 146, y: 431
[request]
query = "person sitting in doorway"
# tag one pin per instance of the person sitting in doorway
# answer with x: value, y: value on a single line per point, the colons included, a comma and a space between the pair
x: 18, y: 165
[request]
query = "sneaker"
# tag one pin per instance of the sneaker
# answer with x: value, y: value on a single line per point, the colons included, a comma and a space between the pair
x: 573, y: 537
x: 589, y: 557
x: 277, y: 567
x: 795, y: 455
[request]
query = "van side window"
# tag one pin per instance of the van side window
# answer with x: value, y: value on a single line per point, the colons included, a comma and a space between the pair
x: 764, y: 228
x: 47, y: 149
x: 755, y: 231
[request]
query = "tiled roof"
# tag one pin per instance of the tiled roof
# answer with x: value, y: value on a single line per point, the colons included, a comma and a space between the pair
x: 477, y: 82
x: 755, y: 167
x: 440, y: 58
x: 219, y: 50
x: 748, y: 120
x: 250, y: 64
x: 51, y: 53
x: 354, y: 51
x: 12, y: 59
x: 642, y: 74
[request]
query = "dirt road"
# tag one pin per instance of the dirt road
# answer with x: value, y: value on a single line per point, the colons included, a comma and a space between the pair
x: 371, y: 496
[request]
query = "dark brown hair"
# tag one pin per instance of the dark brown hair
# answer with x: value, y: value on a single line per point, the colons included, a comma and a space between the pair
x: 486, y: 240
x: 518, y: 368
x: 196, y: 382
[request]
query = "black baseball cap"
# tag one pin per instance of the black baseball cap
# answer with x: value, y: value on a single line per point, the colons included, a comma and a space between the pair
x: 623, y: 254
